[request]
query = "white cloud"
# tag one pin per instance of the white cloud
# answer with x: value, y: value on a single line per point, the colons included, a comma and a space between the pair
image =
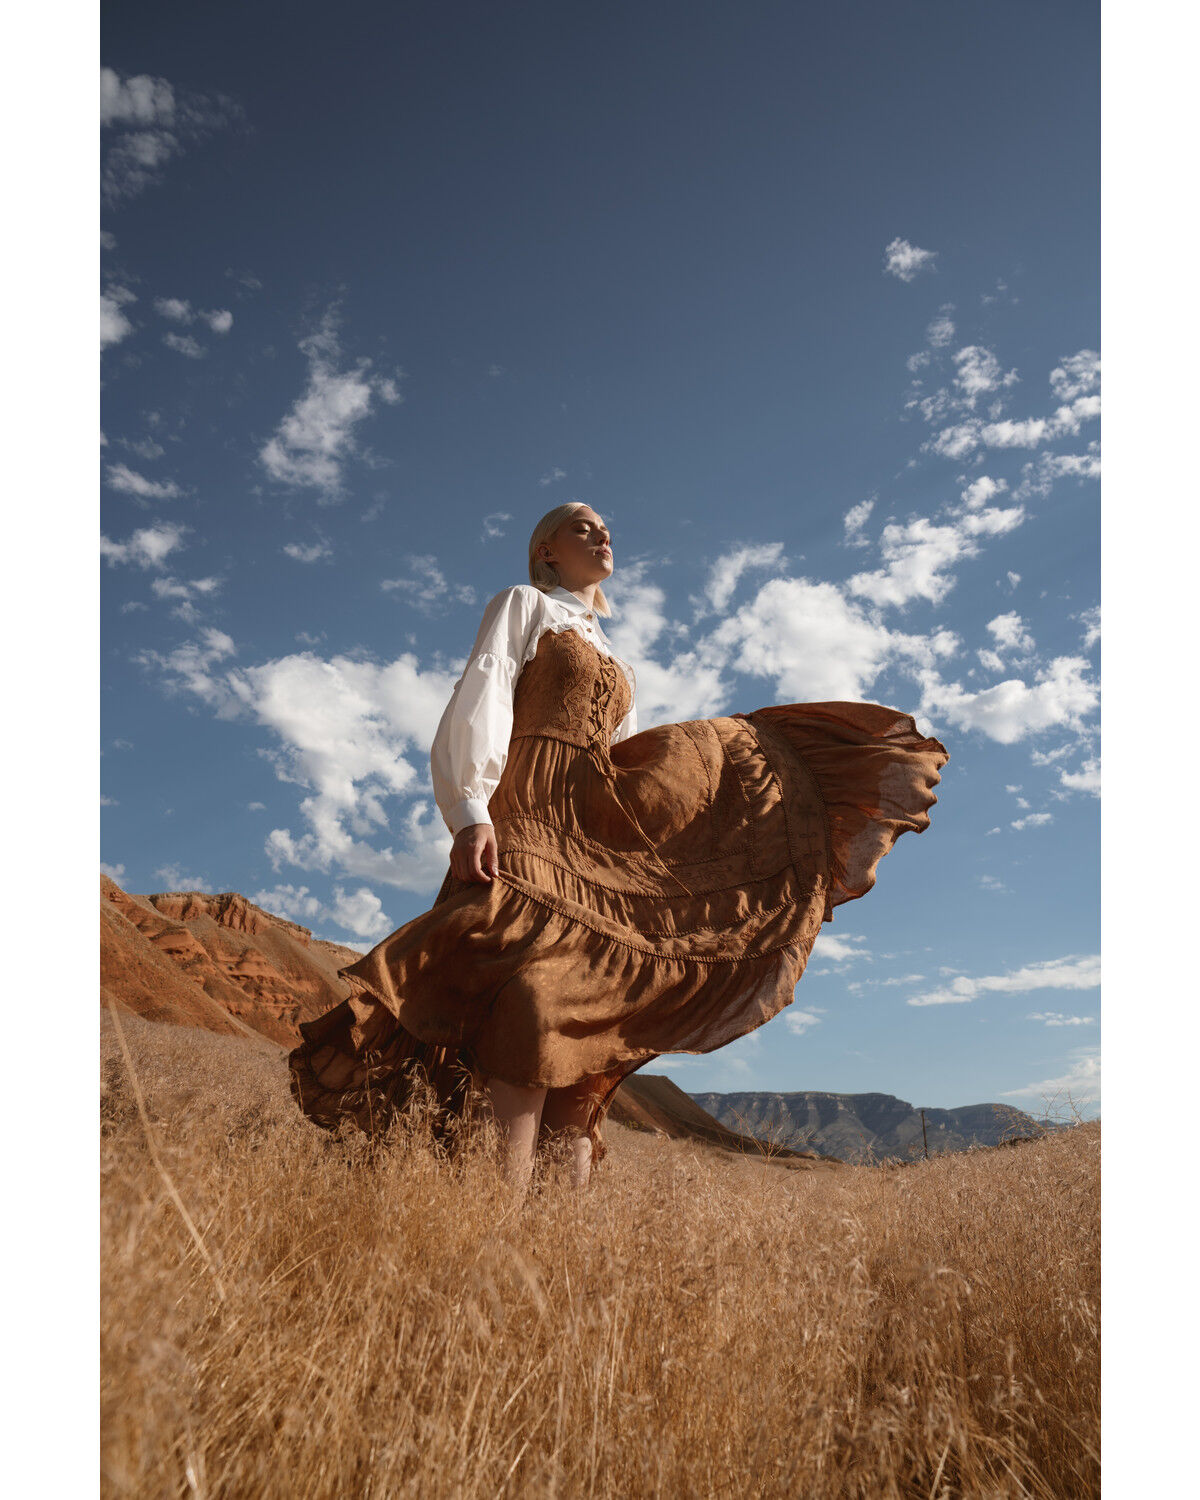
x: 493, y: 525
x: 1032, y: 820
x: 427, y: 587
x: 1080, y: 1082
x: 552, y: 476
x: 726, y: 573
x: 147, y: 548
x: 979, y: 372
x: 129, y: 482
x: 147, y: 122
x: 350, y: 734
x: 175, y: 880
x: 941, y: 331
x: 308, y: 552
x: 904, y: 260
x: 800, y: 1021
x: 1009, y: 711
x: 1078, y: 375
x: 981, y: 490
x: 184, y: 343
x: 360, y: 912
x: 1086, y: 779
x: 174, y: 308
x: 179, y: 310
x: 296, y: 903
x: 854, y: 520
x: 114, y: 325
x: 316, y: 438
x: 1090, y: 620
x: 919, y: 554
x: 135, y: 101
x: 815, y: 643
x: 1057, y: 1018
x: 114, y: 872
x: 184, y: 593
x: 1070, y: 973
x: 1038, y: 477
x: 1013, y: 579
x: 1011, y: 634
x: 839, y: 949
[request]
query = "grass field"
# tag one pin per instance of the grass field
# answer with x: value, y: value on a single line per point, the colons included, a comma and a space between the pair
x: 286, y: 1314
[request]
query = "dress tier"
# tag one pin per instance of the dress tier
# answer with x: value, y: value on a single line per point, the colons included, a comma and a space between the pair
x: 658, y: 895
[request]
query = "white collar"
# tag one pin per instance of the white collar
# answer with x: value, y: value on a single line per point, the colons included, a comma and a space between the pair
x: 564, y: 596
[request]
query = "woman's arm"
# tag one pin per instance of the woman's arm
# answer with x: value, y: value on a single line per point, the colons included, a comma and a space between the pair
x: 471, y: 744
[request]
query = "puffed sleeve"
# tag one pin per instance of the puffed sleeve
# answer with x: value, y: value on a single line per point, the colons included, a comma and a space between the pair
x: 471, y: 743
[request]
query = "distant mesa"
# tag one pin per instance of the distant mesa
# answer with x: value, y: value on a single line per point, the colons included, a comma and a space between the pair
x: 867, y: 1127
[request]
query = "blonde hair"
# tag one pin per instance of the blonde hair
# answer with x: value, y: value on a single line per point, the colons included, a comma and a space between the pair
x: 544, y: 575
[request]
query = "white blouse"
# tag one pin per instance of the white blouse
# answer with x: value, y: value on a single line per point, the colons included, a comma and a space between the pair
x: 471, y: 743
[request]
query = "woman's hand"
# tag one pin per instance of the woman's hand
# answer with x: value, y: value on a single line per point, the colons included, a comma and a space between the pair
x: 474, y: 855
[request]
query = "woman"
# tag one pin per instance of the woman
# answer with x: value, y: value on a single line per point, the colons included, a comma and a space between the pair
x: 612, y: 895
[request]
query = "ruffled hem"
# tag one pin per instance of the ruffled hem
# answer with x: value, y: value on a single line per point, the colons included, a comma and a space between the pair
x: 875, y: 774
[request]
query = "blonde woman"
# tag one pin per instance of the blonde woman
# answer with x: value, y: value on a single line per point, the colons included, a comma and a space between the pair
x: 612, y: 894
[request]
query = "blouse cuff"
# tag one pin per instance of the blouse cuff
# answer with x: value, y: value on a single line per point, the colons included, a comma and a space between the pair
x: 463, y: 814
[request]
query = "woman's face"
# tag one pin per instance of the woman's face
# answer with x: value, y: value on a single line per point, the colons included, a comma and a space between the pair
x: 581, y: 550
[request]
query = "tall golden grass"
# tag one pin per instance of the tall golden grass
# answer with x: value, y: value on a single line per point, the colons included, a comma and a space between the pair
x: 290, y: 1314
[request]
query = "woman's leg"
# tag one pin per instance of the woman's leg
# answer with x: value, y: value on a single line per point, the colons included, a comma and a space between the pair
x: 570, y: 1110
x: 518, y: 1112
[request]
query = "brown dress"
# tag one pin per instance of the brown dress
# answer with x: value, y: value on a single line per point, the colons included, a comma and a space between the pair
x: 657, y: 895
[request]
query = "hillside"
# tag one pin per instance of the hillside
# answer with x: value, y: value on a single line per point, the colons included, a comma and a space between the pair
x: 864, y: 1127
x: 214, y: 961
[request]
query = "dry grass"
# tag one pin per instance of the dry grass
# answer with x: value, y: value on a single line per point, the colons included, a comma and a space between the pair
x: 344, y: 1323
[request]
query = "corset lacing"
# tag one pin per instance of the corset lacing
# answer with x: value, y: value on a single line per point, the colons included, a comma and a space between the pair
x: 603, y: 686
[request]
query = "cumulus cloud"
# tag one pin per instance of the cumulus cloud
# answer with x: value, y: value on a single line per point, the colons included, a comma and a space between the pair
x: 800, y: 1021
x: 175, y: 880
x: 1080, y: 1082
x: 854, y: 520
x: 360, y: 911
x: 1009, y: 633
x: 309, y: 552
x: 129, y: 482
x: 114, y: 872
x: 183, y: 594
x: 427, y: 588
x: 918, y: 555
x: 941, y: 331
x: 1070, y: 973
x: 179, y: 310
x: 1059, y: 697
x: 816, y: 644
x: 184, y: 343
x: 979, y: 373
x: 1033, y: 820
x: 1057, y: 1018
x: 494, y: 524
x: 727, y: 572
x: 1086, y: 779
x: 350, y: 734
x: 839, y: 948
x: 552, y: 476
x: 146, y: 123
x: 114, y: 324
x: 1078, y: 375
x: 148, y: 548
x: 313, y: 442
x: 904, y: 260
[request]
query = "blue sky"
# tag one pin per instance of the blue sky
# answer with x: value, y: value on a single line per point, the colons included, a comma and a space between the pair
x: 805, y: 301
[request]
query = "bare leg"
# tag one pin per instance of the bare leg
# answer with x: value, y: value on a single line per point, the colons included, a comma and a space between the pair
x: 570, y: 1109
x: 519, y: 1114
